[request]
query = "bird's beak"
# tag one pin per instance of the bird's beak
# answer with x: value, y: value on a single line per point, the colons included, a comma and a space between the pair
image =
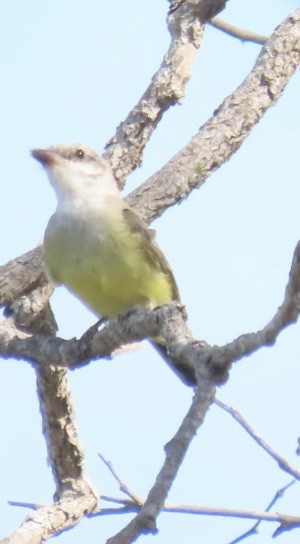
x: 44, y: 156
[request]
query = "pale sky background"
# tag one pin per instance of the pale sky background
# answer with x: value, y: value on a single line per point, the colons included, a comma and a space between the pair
x: 70, y: 71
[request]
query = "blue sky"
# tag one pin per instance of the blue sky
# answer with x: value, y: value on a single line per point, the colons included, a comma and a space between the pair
x: 71, y: 72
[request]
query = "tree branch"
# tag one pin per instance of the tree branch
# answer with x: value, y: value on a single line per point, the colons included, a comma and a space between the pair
x: 65, y: 454
x: 21, y: 275
x: 253, y: 530
x: 287, y: 314
x: 32, y: 312
x: 220, y: 137
x: 236, y: 32
x: 167, y: 320
x: 145, y: 520
x: 239, y: 513
x: 214, y: 144
x: 281, y: 461
x: 48, y: 521
x: 124, y: 150
x: 122, y: 486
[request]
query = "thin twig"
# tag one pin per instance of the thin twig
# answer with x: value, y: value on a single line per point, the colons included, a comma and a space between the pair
x: 281, y: 461
x: 122, y: 486
x: 130, y: 506
x: 253, y: 530
x: 237, y: 32
x: 22, y: 504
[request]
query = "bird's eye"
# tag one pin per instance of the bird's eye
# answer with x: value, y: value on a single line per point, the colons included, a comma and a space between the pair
x: 79, y: 153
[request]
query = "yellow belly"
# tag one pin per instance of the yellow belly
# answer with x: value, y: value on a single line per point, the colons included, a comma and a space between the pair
x: 109, y: 273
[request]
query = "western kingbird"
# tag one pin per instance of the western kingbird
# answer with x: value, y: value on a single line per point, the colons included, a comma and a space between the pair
x: 97, y: 246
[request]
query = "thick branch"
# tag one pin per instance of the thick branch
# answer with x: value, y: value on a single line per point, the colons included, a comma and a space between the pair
x: 32, y: 312
x: 230, y: 125
x: 145, y: 520
x: 48, y: 521
x: 124, y: 150
x: 21, y: 275
x: 135, y: 325
x: 65, y: 454
x: 169, y: 321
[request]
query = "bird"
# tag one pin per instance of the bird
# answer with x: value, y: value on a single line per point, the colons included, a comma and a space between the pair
x: 97, y: 246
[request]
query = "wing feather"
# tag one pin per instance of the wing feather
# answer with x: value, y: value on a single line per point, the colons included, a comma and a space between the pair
x: 150, y: 248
